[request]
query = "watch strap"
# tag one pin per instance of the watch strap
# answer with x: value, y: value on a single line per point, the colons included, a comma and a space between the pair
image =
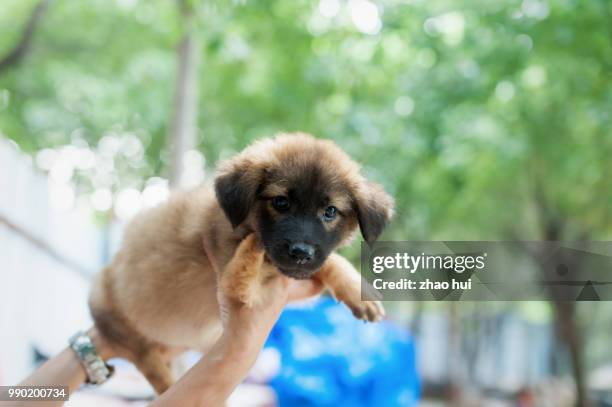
x: 97, y: 370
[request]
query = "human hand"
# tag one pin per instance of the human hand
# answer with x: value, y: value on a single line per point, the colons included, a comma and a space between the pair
x: 247, y: 327
x: 215, y: 376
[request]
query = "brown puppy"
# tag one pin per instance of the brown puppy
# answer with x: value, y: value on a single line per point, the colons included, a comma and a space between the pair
x: 282, y: 205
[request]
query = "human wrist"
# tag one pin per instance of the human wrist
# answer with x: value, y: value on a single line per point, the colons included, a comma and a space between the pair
x: 238, y: 345
x: 103, y: 348
x: 83, y: 346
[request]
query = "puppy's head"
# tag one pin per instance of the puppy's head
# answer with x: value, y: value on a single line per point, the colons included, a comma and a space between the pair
x: 303, y: 197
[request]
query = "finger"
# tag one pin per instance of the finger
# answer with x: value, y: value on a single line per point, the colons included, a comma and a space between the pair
x: 300, y: 289
x: 277, y: 289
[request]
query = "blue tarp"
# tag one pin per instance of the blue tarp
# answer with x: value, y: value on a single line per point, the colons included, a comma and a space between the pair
x: 328, y: 358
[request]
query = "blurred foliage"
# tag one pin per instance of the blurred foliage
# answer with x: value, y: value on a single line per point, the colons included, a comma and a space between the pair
x: 475, y: 114
x: 485, y: 119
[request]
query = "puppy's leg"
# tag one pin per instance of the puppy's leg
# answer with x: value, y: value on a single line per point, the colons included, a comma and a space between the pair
x: 241, y: 279
x: 345, y: 282
x: 128, y: 344
x: 157, y: 370
x: 124, y: 339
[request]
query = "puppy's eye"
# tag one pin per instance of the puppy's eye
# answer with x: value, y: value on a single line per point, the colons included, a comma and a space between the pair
x: 280, y: 203
x: 330, y: 213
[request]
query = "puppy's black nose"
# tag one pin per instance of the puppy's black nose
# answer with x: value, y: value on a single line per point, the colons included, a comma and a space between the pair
x: 302, y: 252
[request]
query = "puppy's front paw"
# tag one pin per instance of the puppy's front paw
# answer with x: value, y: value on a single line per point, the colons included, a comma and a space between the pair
x: 367, y: 309
x: 240, y: 280
x: 371, y: 311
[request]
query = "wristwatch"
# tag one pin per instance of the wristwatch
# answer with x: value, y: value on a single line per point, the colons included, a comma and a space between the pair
x: 97, y: 370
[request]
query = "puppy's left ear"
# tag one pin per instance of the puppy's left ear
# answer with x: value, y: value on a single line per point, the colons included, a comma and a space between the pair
x: 374, y: 210
x: 236, y: 188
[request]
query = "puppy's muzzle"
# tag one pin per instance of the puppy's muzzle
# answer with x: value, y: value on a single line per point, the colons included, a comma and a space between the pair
x: 302, y: 253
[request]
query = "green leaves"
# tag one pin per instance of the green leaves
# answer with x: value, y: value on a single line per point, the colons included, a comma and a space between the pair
x: 461, y: 109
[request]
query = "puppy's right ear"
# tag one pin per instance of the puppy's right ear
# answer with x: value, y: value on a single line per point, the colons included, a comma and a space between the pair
x: 236, y: 189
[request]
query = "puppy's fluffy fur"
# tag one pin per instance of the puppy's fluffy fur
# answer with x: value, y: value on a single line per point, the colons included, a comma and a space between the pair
x: 158, y: 296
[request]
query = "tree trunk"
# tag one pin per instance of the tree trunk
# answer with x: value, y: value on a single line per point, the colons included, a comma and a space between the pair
x: 15, y: 55
x: 182, y: 135
x: 570, y: 332
x: 565, y: 315
x: 455, y: 362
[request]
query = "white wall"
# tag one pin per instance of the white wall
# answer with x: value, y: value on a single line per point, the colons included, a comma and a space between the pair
x: 42, y: 301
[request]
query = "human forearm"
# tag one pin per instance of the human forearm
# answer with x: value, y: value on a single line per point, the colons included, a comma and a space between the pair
x: 63, y: 369
x: 211, y: 381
